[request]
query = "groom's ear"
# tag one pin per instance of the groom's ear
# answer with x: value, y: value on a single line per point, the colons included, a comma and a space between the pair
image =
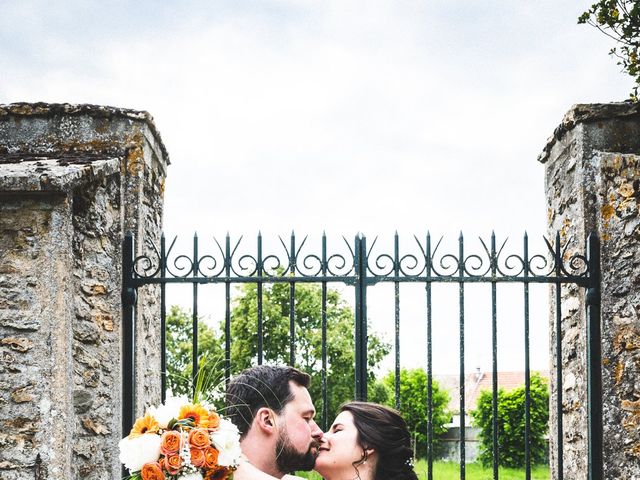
x: 265, y: 420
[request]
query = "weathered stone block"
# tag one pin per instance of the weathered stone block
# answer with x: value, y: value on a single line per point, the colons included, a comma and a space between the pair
x: 82, y: 401
x: 592, y: 183
x: 73, y: 180
x: 18, y: 344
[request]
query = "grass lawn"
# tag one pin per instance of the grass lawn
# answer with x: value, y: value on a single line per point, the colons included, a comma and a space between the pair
x: 474, y: 471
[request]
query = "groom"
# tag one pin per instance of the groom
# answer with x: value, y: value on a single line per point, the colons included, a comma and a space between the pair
x: 272, y: 408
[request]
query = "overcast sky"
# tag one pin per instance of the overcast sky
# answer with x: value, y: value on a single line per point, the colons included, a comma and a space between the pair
x: 333, y: 115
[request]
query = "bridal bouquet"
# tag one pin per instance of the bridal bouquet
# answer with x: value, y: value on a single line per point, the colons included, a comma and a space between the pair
x: 181, y: 440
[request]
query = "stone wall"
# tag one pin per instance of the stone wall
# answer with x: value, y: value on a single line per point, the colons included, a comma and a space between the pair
x: 35, y: 326
x: 592, y: 184
x: 73, y: 180
x: 619, y: 222
x: 96, y: 340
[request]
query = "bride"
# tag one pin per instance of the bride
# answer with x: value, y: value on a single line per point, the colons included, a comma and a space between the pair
x: 366, y: 441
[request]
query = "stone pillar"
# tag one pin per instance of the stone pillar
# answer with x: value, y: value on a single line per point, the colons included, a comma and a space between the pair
x: 592, y: 171
x: 73, y: 180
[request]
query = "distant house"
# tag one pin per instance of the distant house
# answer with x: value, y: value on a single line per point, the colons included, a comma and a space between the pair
x: 474, y: 383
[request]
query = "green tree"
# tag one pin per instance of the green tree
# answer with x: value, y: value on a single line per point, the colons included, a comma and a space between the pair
x: 275, y: 317
x: 308, y: 338
x: 179, y: 348
x: 413, y: 406
x: 620, y: 20
x: 511, y: 424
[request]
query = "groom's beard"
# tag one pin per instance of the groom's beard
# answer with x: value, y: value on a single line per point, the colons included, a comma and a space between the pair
x: 288, y: 459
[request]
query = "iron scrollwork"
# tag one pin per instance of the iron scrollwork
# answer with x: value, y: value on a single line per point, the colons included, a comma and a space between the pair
x: 229, y: 261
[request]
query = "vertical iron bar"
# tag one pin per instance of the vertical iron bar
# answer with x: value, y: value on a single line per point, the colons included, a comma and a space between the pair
x: 461, y: 270
x: 363, y: 327
x: 594, y: 360
x: 194, y: 348
x: 559, y: 413
x: 429, y: 365
x: 128, y: 335
x: 292, y: 303
x: 494, y: 348
x: 360, y: 262
x: 227, y: 310
x: 163, y: 320
x: 396, y: 270
x: 527, y: 373
x: 325, y: 408
x: 259, y: 294
x: 356, y: 262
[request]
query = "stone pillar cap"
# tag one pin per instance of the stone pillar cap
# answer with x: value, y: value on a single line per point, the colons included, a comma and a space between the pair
x: 47, y: 110
x: 587, y: 113
x: 55, y: 173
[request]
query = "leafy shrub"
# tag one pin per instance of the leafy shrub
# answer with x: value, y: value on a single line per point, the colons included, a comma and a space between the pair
x: 413, y: 406
x: 511, y: 424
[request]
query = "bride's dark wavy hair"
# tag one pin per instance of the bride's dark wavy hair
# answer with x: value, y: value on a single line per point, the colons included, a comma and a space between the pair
x: 383, y: 429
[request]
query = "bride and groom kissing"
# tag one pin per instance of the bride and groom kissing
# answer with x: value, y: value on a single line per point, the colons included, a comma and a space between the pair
x: 274, y: 413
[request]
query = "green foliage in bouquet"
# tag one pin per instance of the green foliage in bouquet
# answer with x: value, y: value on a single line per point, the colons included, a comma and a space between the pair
x: 620, y: 20
x: 210, y: 379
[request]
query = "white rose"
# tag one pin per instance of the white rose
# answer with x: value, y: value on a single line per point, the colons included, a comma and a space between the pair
x: 170, y: 410
x: 191, y: 476
x: 227, y: 440
x: 135, y: 452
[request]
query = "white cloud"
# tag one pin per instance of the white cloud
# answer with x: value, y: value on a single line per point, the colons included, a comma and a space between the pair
x: 338, y: 115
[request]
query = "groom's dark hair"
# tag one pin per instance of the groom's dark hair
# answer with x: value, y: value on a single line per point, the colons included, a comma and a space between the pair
x: 257, y: 387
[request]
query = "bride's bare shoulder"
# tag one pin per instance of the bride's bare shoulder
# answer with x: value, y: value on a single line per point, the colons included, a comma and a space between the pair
x: 246, y: 471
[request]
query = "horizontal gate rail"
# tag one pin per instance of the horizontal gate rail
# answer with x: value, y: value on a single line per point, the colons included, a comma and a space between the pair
x: 138, y: 282
x: 354, y: 264
x: 157, y: 266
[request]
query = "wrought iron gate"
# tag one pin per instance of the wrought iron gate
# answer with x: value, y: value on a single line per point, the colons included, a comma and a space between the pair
x: 361, y: 268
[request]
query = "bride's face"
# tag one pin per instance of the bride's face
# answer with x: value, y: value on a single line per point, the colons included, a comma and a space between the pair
x: 339, y: 449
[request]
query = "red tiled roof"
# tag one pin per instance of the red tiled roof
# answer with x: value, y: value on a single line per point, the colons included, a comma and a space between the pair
x: 475, y: 382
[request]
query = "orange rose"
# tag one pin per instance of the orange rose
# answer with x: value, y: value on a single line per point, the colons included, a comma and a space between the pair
x: 214, y: 420
x: 170, y: 442
x: 211, y: 457
x: 152, y: 471
x: 172, y: 464
x: 197, y: 457
x: 199, y: 438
